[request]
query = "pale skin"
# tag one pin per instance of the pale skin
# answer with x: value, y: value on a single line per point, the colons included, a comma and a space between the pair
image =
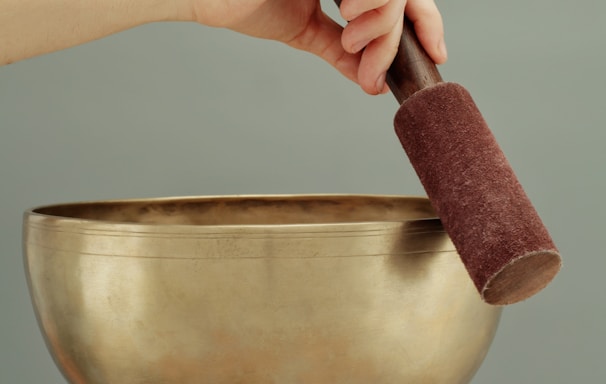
x: 362, y: 51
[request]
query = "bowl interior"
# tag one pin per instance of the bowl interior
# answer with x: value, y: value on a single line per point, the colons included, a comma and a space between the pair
x: 249, y: 210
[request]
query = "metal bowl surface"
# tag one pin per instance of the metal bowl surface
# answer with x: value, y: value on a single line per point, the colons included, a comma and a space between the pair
x: 254, y: 289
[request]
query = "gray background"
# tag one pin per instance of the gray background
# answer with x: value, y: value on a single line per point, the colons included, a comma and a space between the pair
x: 179, y: 109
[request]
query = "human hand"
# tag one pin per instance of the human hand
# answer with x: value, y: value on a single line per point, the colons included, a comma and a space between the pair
x: 362, y: 51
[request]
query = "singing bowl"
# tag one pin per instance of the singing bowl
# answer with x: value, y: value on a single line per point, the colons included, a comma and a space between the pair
x: 254, y: 289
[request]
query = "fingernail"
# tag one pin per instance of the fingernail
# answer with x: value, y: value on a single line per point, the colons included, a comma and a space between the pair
x: 381, y: 83
x: 442, y: 48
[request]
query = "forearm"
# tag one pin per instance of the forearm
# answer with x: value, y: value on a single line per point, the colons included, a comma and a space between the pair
x: 32, y: 27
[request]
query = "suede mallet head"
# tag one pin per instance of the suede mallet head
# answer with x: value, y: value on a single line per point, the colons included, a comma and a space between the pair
x: 492, y: 223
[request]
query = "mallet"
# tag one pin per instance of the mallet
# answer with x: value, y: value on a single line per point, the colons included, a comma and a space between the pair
x: 497, y: 232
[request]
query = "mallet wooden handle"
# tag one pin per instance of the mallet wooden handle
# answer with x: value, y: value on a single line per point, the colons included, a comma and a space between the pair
x: 412, y: 68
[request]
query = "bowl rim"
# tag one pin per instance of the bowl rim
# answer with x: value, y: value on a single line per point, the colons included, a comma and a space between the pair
x: 432, y: 223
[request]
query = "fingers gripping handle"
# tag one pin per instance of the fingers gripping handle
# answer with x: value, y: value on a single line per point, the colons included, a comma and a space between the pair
x: 412, y: 68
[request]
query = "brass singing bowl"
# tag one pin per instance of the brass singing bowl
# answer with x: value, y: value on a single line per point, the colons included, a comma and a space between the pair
x: 311, y: 289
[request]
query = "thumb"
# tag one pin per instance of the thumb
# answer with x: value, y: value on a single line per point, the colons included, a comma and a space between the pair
x: 322, y: 37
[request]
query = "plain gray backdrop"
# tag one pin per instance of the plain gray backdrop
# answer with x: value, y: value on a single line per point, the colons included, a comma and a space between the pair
x: 179, y: 109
